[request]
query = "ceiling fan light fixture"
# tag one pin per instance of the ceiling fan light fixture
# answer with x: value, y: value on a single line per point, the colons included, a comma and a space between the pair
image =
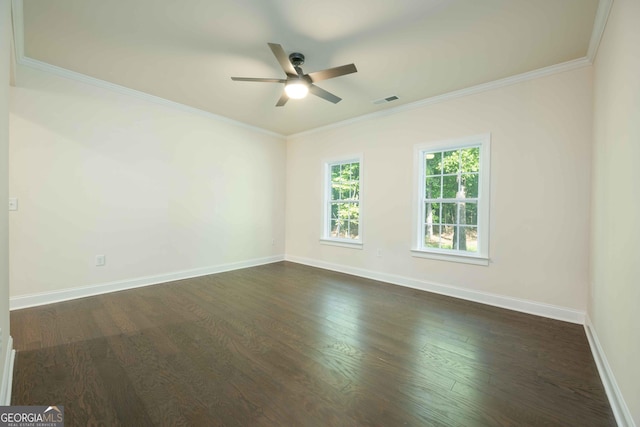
x: 298, y: 84
x: 296, y: 89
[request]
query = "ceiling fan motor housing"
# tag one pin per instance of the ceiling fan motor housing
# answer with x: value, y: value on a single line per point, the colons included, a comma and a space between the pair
x: 296, y: 58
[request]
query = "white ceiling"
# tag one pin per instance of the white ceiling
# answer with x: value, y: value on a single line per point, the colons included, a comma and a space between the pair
x: 185, y: 51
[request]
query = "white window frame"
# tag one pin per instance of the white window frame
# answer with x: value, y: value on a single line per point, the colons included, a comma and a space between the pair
x: 481, y: 257
x: 326, y: 204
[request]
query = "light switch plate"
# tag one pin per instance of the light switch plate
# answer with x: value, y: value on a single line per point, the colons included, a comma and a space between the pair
x: 13, y: 203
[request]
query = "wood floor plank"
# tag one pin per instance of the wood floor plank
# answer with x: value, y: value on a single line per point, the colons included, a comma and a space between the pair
x: 286, y: 344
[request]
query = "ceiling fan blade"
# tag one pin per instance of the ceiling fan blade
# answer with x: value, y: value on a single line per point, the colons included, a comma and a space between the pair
x: 332, y: 72
x: 252, y: 79
x: 283, y: 100
x: 283, y: 59
x: 324, y: 94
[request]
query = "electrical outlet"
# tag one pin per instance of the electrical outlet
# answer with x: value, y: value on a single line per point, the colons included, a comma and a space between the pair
x: 379, y: 252
x: 101, y: 260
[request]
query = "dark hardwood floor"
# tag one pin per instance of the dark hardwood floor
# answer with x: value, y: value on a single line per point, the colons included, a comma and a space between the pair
x: 289, y: 345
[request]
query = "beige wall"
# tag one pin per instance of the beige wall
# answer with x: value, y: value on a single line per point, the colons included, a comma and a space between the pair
x: 156, y: 189
x: 540, y: 192
x: 615, y: 256
x: 5, y: 46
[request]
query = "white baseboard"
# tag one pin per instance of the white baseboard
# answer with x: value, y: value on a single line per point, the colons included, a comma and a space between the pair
x: 525, y: 306
x: 32, y: 300
x: 7, y: 375
x: 618, y: 405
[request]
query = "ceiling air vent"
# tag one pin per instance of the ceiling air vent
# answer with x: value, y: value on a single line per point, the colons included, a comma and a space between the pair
x: 385, y: 100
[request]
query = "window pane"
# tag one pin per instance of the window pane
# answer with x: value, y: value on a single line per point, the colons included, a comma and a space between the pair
x: 343, y: 212
x: 343, y: 172
x: 356, y: 190
x: 468, y: 213
x: 458, y: 240
x: 335, y: 172
x: 469, y: 184
x: 435, y: 212
x: 335, y: 192
x: 353, y: 212
x: 449, y: 187
x: 355, y: 171
x: 446, y: 237
x: 335, y: 228
x: 451, y: 161
x: 344, y: 192
x: 345, y: 220
x: 353, y: 230
x: 345, y: 181
x: 431, y: 213
x: 449, y: 213
x: 334, y: 211
x: 432, y: 236
x: 469, y: 236
x: 432, y: 187
x: 433, y: 164
x: 470, y: 161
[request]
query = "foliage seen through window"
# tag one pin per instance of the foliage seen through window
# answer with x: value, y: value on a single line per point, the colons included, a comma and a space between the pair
x: 344, y: 203
x: 451, y: 199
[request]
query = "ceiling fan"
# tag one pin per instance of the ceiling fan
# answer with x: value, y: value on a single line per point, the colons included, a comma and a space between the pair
x: 297, y: 84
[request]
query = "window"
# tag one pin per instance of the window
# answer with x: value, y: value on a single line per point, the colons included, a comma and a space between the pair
x: 452, y: 206
x: 342, y: 202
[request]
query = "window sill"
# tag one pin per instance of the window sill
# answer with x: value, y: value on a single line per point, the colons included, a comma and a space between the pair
x: 465, y: 259
x: 341, y: 243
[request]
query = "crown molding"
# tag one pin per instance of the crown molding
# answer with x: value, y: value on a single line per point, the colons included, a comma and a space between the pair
x: 83, y: 78
x: 508, y: 81
x: 602, y: 15
x: 17, y: 40
x: 12, y: 59
x: 21, y: 59
x: 17, y: 19
x: 599, y: 24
